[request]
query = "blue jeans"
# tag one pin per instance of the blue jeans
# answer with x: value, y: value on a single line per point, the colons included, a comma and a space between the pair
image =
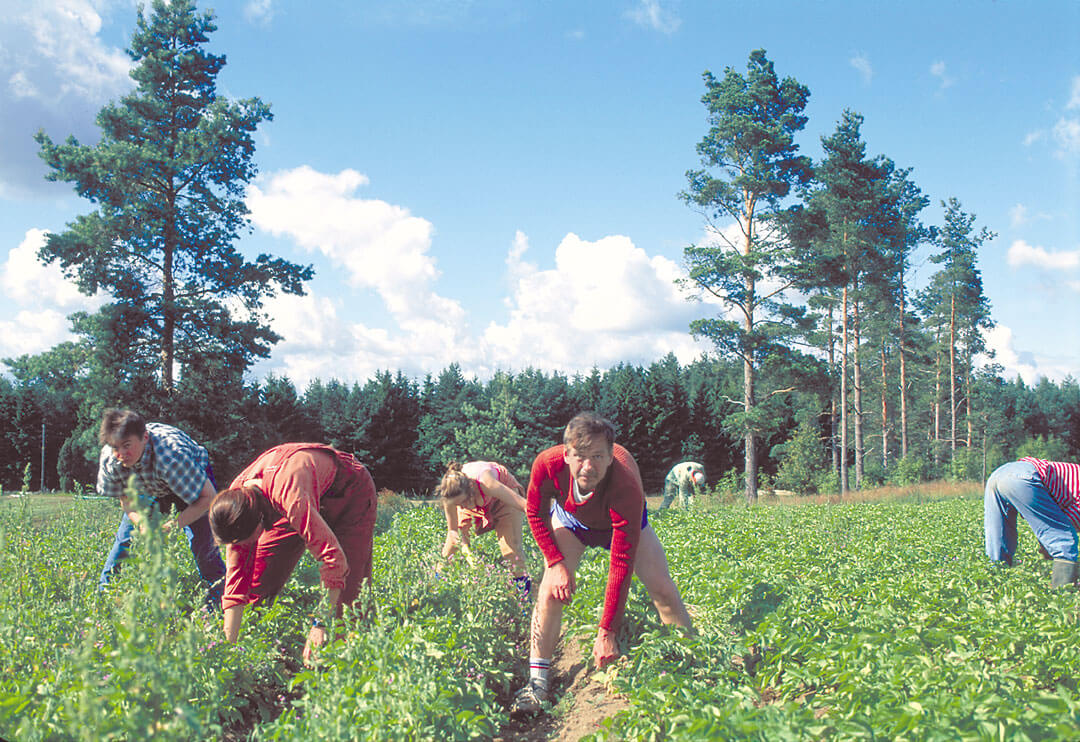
x: 1017, y: 488
x: 200, y: 540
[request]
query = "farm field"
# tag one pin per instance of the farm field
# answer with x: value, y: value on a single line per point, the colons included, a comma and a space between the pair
x: 870, y: 620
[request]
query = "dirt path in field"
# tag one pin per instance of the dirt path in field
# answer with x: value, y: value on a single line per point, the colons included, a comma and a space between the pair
x: 581, y: 704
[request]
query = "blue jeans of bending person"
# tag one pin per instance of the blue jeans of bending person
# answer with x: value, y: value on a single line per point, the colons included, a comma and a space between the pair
x: 1016, y: 488
x: 200, y: 540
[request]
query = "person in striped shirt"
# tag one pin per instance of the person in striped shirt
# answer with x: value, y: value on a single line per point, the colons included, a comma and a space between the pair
x: 1047, y: 495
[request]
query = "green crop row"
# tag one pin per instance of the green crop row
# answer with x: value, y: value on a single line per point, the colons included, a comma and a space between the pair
x: 868, y: 621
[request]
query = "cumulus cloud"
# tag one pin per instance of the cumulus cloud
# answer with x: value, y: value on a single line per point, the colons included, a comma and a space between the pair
x: 1025, y: 364
x: 42, y: 297
x: 604, y: 302
x: 1074, y: 96
x: 377, y: 247
x: 321, y: 341
x: 259, y: 11
x: 862, y: 64
x: 32, y: 331
x: 1018, y: 215
x: 653, y: 15
x: 381, y: 246
x: 937, y: 69
x: 1066, y: 134
x: 1021, y: 253
x: 30, y: 283
x: 55, y: 74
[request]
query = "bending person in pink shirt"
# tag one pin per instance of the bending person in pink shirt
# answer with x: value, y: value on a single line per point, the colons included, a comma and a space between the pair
x: 483, y: 496
x: 295, y: 496
x: 588, y: 492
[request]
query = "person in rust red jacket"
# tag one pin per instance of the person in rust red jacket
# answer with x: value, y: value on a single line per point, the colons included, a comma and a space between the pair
x: 588, y: 492
x: 293, y: 497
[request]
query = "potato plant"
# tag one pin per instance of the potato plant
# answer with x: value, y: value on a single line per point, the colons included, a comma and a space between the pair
x: 870, y: 621
x: 861, y: 621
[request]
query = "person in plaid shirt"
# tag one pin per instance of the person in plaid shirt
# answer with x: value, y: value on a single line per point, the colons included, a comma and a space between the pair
x: 168, y: 468
x: 1047, y: 495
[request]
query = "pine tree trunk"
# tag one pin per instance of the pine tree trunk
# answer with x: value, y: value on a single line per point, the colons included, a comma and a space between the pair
x: 750, y: 440
x: 833, y: 391
x: 884, y: 411
x: 952, y: 375
x: 843, y: 393
x: 936, y: 406
x: 856, y: 369
x: 967, y: 406
x: 168, y: 304
x: 749, y: 402
x: 903, y: 380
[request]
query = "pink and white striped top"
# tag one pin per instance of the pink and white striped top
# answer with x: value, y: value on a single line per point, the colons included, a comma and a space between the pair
x: 1063, y: 481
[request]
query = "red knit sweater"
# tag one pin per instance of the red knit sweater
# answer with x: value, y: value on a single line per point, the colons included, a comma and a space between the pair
x: 617, y: 504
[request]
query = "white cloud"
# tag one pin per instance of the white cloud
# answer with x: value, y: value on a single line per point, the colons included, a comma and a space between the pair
x: 1067, y: 136
x: 1034, y: 137
x: 937, y: 69
x: 382, y: 247
x: 1025, y: 364
x: 376, y: 246
x: 1074, y: 96
x: 1021, y: 253
x: 259, y: 11
x: 321, y: 341
x: 55, y: 73
x: 32, y: 331
x: 1018, y: 215
x: 41, y: 299
x: 28, y: 282
x: 604, y: 302
x: 651, y: 14
x: 862, y: 64
x: 516, y: 267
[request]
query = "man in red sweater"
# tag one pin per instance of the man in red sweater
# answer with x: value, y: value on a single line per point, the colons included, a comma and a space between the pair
x: 588, y: 492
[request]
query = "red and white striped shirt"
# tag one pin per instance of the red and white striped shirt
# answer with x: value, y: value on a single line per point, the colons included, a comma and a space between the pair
x: 1063, y: 482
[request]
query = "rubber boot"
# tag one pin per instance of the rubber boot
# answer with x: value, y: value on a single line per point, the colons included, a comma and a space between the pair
x: 1063, y: 573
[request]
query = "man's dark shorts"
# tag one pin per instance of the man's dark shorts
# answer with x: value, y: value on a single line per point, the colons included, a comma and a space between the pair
x: 584, y: 534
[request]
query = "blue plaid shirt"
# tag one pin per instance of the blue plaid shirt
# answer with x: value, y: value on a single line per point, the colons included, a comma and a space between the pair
x: 171, y: 464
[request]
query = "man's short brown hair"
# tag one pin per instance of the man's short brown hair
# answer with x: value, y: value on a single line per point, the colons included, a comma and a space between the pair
x: 116, y: 425
x: 585, y: 426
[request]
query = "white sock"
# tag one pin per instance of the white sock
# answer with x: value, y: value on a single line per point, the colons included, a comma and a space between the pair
x: 539, y: 669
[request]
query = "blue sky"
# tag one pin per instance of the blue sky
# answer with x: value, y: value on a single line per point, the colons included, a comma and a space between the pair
x: 495, y: 183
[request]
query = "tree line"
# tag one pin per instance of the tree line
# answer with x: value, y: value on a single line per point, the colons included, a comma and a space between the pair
x: 407, y: 430
x: 829, y: 371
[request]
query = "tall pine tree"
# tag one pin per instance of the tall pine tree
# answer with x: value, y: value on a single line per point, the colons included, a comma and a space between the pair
x: 167, y: 179
x: 750, y: 164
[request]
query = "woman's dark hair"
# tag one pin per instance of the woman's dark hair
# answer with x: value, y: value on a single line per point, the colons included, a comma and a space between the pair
x: 236, y: 513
